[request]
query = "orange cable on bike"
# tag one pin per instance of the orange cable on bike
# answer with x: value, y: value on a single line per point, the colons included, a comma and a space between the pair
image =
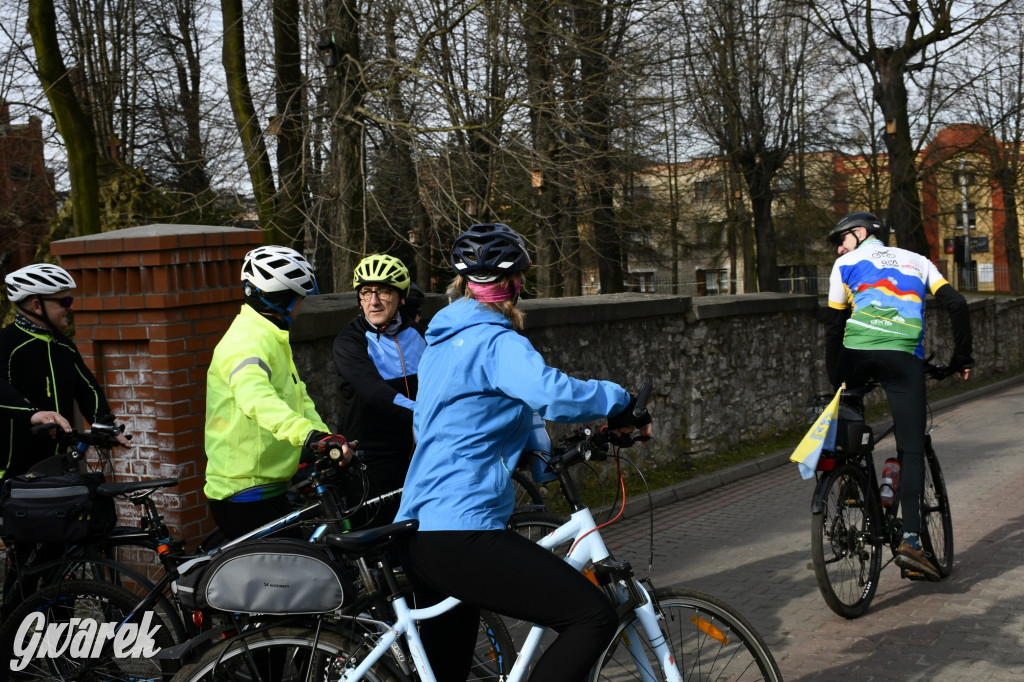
x: 622, y: 507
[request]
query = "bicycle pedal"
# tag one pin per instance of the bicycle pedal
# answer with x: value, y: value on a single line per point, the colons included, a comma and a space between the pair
x: 916, y: 575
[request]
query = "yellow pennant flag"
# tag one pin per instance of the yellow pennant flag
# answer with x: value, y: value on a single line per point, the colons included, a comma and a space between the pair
x: 821, y: 436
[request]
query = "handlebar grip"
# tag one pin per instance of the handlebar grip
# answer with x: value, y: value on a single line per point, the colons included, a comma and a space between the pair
x: 39, y: 428
x: 640, y: 409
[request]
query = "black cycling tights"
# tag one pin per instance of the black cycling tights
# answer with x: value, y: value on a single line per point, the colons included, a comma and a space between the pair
x: 902, y: 376
x: 502, y: 571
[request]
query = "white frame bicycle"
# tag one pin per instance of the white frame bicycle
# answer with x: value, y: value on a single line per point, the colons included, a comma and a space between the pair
x: 718, y: 642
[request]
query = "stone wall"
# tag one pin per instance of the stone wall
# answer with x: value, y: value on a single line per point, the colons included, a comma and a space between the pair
x: 724, y: 369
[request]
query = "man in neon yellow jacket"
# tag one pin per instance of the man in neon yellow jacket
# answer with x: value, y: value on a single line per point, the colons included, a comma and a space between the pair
x: 258, y: 414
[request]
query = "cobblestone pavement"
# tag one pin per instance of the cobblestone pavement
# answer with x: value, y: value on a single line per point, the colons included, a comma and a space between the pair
x: 749, y: 543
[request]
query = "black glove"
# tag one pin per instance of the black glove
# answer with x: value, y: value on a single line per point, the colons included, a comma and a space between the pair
x: 959, y: 362
x: 320, y: 443
x: 626, y: 418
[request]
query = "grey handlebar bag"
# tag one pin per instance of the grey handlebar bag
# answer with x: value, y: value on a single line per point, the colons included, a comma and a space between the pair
x: 279, y: 576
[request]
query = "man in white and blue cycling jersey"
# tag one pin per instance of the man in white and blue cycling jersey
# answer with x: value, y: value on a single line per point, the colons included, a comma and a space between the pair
x: 875, y: 329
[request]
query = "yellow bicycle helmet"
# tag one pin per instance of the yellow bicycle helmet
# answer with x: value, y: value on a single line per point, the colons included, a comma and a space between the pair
x: 382, y: 269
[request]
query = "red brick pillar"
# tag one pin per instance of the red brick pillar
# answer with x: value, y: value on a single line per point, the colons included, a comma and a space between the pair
x: 151, y: 304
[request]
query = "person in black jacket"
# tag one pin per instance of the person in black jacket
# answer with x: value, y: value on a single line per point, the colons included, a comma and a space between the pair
x: 43, y: 377
x: 376, y: 357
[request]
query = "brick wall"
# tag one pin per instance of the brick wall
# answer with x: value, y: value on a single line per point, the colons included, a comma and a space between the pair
x: 152, y: 302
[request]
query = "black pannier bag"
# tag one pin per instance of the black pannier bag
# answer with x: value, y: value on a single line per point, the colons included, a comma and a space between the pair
x: 55, y: 509
x: 278, y: 576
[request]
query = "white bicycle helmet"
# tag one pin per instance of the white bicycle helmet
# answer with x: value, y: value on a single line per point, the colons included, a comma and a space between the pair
x: 278, y: 268
x: 38, y: 279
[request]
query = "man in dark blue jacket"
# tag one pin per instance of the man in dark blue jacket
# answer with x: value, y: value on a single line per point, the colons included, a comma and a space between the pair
x: 377, y: 358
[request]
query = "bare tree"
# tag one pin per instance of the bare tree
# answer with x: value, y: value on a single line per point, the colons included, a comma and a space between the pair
x: 989, y: 81
x: 892, y: 39
x: 73, y: 123
x: 744, y: 63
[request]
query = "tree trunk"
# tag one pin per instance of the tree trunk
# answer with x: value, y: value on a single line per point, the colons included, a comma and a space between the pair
x: 290, y: 209
x: 240, y: 97
x: 758, y: 174
x: 596, y: 124
x: 407, y: 200
x: 1011, y: 231
x: 73, y: 124
x: 904, y: 196
x: 344, y: 188
x: 545, y: 180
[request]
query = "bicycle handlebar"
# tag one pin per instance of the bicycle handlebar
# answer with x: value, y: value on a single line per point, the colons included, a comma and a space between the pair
x: 76, y: 442
x: 587, y: 446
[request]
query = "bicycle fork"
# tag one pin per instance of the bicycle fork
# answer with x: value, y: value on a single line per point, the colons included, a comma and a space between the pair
x: 626, y: 589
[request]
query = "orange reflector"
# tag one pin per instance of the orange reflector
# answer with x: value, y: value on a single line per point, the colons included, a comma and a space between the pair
x: 162, y: 549
x: 591, y: 576
x: 710, y: 630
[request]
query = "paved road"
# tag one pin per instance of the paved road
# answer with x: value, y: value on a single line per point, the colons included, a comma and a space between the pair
x: 749, y: 543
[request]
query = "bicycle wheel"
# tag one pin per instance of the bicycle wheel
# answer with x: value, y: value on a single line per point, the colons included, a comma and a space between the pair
x: 290, y: 647
x: 495, y: 654
x: 847, y: 559
x: 80, y: 653
x: 527, y: 492
x: 709, y: 641
x: 535, y: 524
x: 936, y: 519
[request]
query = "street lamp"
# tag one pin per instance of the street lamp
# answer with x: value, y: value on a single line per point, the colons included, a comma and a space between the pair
x: 965, y: 220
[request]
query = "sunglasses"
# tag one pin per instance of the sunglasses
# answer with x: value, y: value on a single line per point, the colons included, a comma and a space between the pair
x: 64, y: 301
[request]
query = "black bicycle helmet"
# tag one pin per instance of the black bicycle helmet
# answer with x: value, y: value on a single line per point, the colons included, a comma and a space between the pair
x: 487, y: 251
x: 856, y: 219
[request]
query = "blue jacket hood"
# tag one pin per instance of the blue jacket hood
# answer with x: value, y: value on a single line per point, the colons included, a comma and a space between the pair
x: 459, y: 315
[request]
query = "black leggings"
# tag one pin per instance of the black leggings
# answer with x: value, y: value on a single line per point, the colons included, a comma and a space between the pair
x: 502, y: 571
x: 902, y: 376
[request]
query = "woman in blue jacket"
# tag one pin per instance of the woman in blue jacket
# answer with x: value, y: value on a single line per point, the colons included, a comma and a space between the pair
x: 480, y: 383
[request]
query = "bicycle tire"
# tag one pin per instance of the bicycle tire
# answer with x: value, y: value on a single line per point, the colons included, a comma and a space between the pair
x: 86, y: 599
x: 709, y: 639
x: 847, y: 557
x: 334, y: 651
x: 527, y: 492
x: 936, y: 518
x: 495, y: 654
x: 535, y: 524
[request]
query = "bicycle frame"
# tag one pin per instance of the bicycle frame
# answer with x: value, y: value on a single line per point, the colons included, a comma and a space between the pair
x: 588, y: 547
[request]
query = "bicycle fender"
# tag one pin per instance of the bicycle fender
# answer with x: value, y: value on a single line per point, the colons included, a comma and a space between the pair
x: 818, y: 499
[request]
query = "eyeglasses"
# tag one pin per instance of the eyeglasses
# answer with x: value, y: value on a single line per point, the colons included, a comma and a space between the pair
x: 64, y: 301
x: 385, y: 295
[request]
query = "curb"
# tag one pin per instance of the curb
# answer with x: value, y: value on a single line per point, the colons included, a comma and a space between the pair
x: 641, y: 504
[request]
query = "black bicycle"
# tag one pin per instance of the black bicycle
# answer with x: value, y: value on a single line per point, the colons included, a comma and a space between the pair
x: 849, y: 523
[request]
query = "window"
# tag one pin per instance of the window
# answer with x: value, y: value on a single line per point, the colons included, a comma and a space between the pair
x: 706, y: 189
x: 643, y: 281
x: 960, y: 217
x: 639, y: 237
x: 710, y: 233
x: 712, y: 282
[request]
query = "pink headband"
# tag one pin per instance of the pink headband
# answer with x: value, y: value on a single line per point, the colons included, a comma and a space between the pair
x: 496, y: 292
